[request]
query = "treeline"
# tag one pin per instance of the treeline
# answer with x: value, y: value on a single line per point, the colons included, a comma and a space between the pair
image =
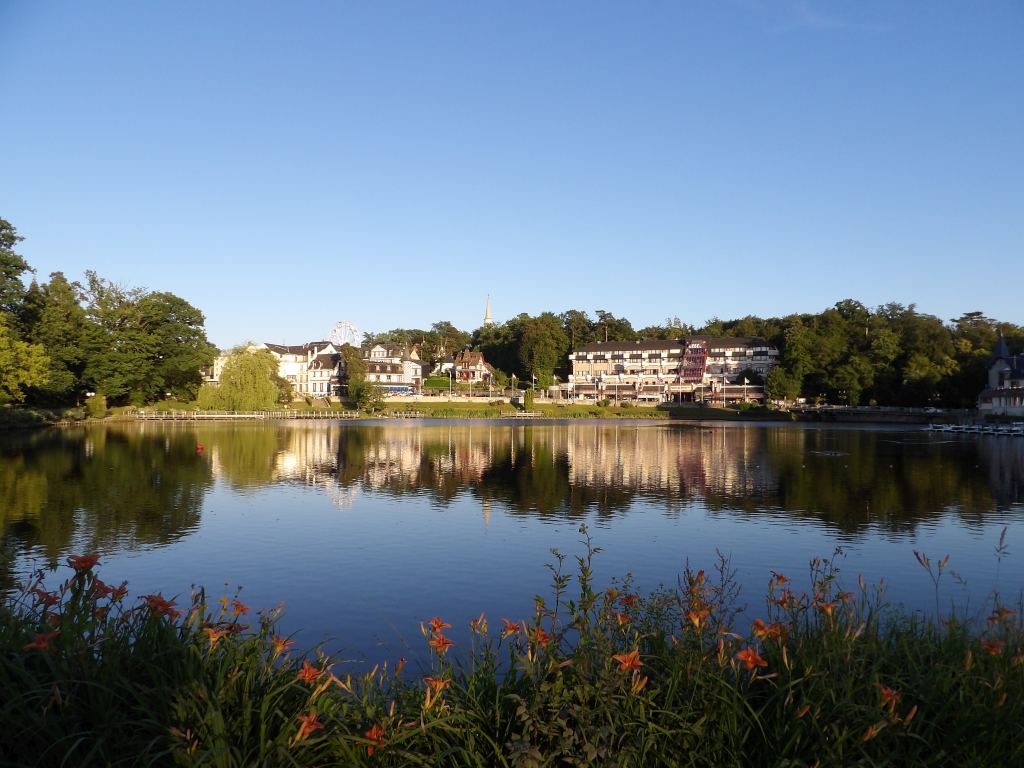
x: 847, y: 354
x: 61, y: 339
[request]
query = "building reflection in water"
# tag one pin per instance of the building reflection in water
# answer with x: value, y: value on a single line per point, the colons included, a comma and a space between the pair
x: 138, y: 485
x: 849, y: 478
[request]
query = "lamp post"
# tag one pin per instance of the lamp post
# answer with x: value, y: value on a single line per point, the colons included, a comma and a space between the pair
x: 513, y: 385
x: 744, y: 389
x: 451, y: 380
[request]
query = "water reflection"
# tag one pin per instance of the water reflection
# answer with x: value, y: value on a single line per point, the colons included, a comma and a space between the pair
x: 134, y: 485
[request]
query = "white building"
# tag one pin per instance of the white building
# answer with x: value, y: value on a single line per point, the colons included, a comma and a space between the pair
x: 314, y: 369
x: 676, y: 369
x: 1004, y: 395
x: 394, y: 370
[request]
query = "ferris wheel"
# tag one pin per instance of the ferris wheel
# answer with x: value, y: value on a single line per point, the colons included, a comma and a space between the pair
x: 345, y: 332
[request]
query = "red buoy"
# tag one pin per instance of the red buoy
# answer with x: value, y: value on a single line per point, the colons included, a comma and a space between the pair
x: 200, y: 448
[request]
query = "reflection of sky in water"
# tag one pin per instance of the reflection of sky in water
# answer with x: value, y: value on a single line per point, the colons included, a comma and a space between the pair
x: 364, y: 532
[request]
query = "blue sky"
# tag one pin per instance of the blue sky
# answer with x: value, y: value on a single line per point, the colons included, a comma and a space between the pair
x: 284, y: 166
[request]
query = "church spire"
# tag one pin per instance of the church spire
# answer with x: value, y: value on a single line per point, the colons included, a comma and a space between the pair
x: 487, y: 313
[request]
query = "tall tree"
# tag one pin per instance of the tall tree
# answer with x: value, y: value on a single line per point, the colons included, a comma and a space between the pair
x: 21, y: 365
x: 247, y: 383
x: 177, y: 345
x: 12, y: 267
x: 59, y: 325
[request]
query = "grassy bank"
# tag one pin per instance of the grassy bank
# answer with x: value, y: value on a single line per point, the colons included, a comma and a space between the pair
x: 29, y: 418
x: 594, y: 677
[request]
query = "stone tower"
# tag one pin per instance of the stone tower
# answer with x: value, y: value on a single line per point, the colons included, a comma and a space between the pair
x: 487, y: 312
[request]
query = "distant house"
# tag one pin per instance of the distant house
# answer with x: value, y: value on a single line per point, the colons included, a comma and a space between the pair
x: 1004, y: 395
x: 394, y: 369
x: 314, y: 368
x: 471, y: 366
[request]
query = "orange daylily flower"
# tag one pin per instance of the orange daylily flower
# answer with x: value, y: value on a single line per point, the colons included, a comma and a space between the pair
x: 400, y: 665
x: 158, y: 604
x: 628, y: 661
x: 441, y: 644
x: 751, y: 659
x: 281, y: 645
x: 629, y: 601
x: 46, y: 598
x: 238, y: 607
x: 778, y: 579
x: 83, y: 562
x: 638, y: 683
x: 308, y: 673
x: 1000, y: 614
x: 622, y: 618
x: 890, y: 697
x: 993, y: 647
x: 309, y: 723
x: 611, y: 594
x: 771, y: 631
x: 827, y: 608
x: 542, y: 638
x: 479, y: 624
x: 376, y: 735
x: 508, y: 628
x: 42, y: 641
x: 214, y: 634
x: 844, y: 596
x: 101, y: 612
x: 436, y: 625
x: 436, y: 684
x: 101, y: 590
x: 697, y: 617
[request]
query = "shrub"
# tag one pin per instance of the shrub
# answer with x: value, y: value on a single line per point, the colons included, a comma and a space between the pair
x: 96, y: 406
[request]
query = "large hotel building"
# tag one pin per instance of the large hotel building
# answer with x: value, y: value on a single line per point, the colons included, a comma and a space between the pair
x: 692, y: 369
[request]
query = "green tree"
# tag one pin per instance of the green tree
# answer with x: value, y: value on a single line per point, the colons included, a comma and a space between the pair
x: 21, y: 365
x: 369, y: 397
x: 176, y: 343
x: 247, y: 383
x: 542, y: 346
x: 353, y: 370
x: 578, y: 327
x: 59, y: 325
x: 12, y: 267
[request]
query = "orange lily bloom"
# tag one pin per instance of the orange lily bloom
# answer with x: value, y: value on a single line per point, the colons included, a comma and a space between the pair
x: 542, y: 638
x: 239, y: 607
x: 999, y: 614
x: 158, y: 604
x: 628, y: 661
x: 308, y: 673
x: 479, y: 624
x: 890, y: 697
x: 46, y: 598
x: 697, y: 617
x: 751, y: 659
x: 441, y: 644
x: 508, y: 629
x: 622, y: 618
x: 309, y: 724
x: 828, y: 608
x: 771, y: 631
x: 281, y: 645
x: 993, y: 647
x: 83, y: 562
x: 376, y: 735
x: 214, y: 634
x: 437, y: 684
x: 400, y: 665
x: 629, y: 601
x: 436, y: 625
x: 42, y: 641
x: 778, y: 579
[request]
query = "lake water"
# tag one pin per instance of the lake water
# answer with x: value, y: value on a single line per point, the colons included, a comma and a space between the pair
x: 365, y: 529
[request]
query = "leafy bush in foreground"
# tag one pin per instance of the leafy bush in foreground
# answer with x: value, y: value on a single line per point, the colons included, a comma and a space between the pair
x: 593, y: 678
